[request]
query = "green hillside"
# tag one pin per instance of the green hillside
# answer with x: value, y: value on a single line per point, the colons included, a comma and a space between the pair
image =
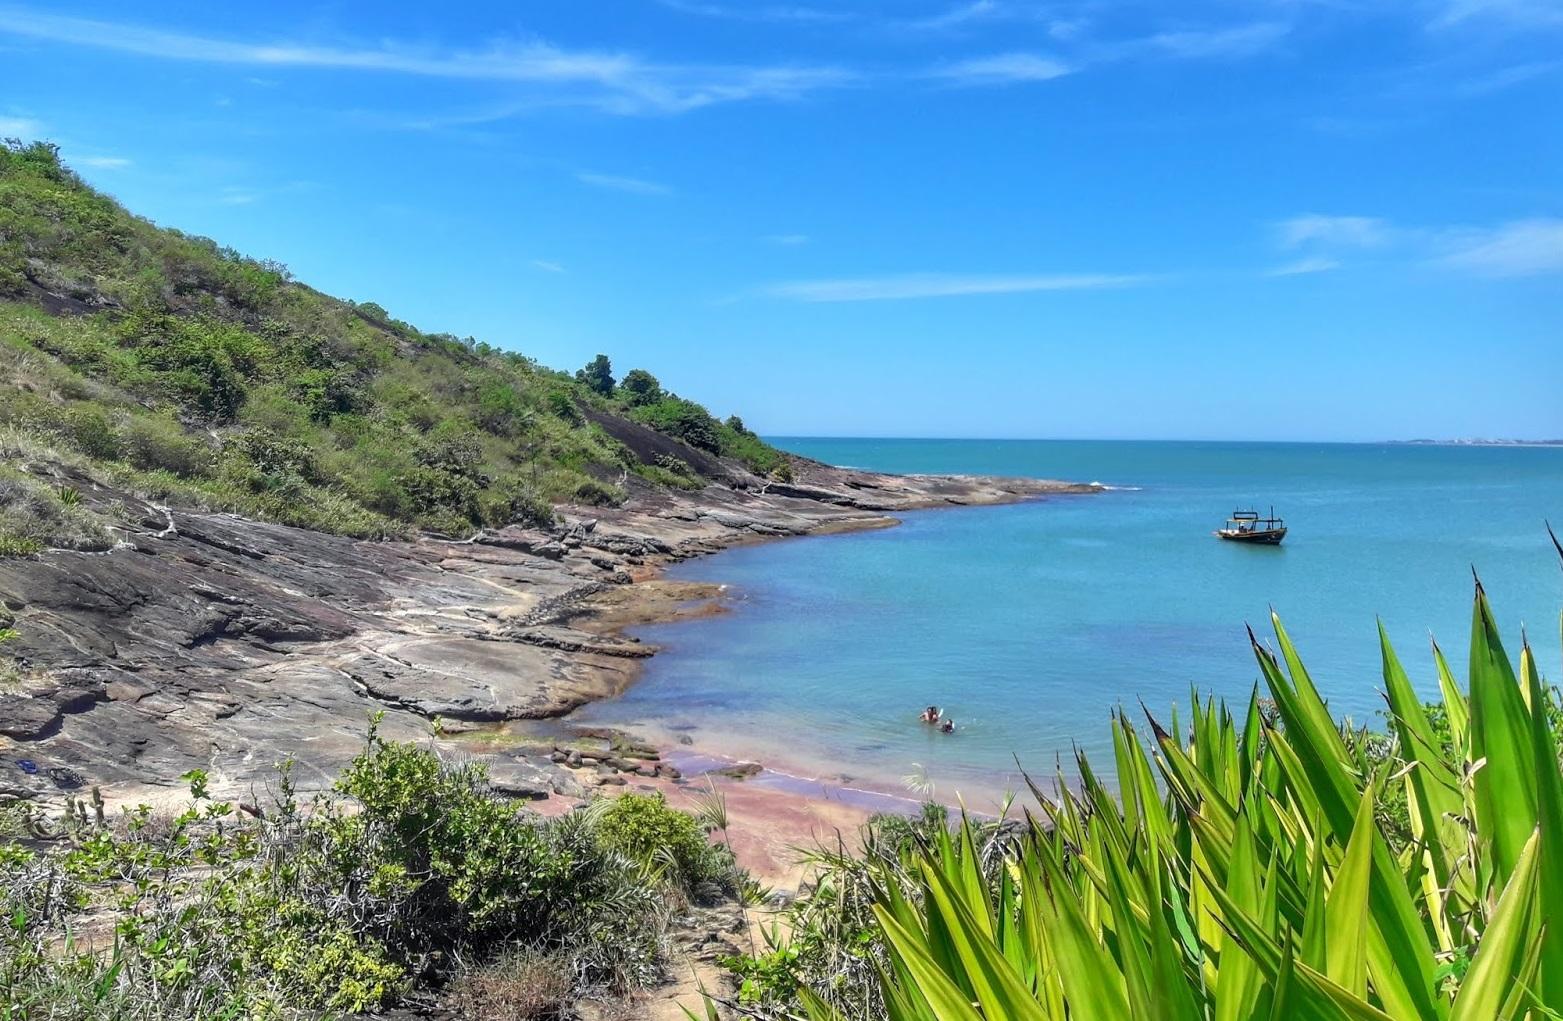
x: 185, y: 371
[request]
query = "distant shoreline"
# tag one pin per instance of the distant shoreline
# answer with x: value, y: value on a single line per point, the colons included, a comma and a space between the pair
x: 1475, y: 443
x: 781, y: 440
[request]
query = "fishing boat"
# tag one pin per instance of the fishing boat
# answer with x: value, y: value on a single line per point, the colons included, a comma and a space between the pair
x: 1248, y: 526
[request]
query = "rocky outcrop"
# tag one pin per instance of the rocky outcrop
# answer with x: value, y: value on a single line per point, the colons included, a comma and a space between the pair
x: 208, y: 640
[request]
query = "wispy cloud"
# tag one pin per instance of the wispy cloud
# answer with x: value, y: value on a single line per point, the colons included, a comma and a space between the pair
x: 786, y: 240
x: 1203, y: 44
x: 960, y: 14
x: 546, y: 265
x: 943, y: 285
x: 613, y: 82
x: 774, y: 12
x: 235, y: 195
x: 1508, y: 77
x: 1303, y: 267
x: 1516, y: 249
x: 1338, y: 231
x: 102, y: 162
x: 20, y: 127
x: 1519, y: 13
x: 1002, y: 68
x: 615, y: 182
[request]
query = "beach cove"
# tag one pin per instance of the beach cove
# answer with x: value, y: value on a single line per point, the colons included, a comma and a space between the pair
x: 1031, y: 622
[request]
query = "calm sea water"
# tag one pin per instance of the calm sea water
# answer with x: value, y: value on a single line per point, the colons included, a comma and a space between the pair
x: 1030, y: 622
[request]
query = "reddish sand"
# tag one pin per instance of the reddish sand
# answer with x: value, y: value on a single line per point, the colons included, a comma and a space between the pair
x: 765, y: 825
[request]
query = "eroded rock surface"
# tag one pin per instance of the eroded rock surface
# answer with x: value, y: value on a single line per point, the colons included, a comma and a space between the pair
x: 212, y: 641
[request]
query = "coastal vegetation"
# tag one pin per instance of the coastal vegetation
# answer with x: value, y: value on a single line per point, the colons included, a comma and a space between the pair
x: 190, y: 373
x: 411, y: 874
x: 1268, y: 863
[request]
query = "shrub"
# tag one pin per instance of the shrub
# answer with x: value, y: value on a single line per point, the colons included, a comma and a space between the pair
x: 597, y: 376
x: 514, y: 503
x: 18, y: 546
x: 661, y: 476
x: 760, y: 457
x: 646, y: 830
x: 598, y: 494
x: 202, y: 363
x: 333, y: 908
x: 88, y: 430
x: 157, y: 443
x: 675, y: 466
x: 327, y: 392
x: 35, y: 516
x: 562, y: 405
x: 272, y: 455
x: 501, y: 410
x: 684, y: 420
x: 639, y: 388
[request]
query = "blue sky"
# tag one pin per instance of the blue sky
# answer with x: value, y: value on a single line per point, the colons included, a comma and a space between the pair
x: 1314, y: 219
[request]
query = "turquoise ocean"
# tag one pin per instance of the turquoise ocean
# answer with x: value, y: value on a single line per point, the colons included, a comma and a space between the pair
x: 1030, y: 623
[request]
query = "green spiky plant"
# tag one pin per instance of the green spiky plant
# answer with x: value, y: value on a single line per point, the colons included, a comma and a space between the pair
x: 1242, y: 873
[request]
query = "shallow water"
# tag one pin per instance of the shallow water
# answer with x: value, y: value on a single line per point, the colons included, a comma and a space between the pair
x: 1029, y: 623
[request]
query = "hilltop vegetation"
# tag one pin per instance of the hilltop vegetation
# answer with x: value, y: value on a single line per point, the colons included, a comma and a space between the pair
x: 198, y: 375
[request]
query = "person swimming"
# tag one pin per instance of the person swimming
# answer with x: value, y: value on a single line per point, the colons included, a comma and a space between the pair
x: 931, y: 714
x: 947, y: 727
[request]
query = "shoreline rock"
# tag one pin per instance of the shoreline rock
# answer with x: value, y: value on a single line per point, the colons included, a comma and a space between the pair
x: 211, y: 641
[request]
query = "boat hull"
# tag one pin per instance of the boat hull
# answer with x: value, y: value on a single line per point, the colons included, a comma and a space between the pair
x: 1257, y: 537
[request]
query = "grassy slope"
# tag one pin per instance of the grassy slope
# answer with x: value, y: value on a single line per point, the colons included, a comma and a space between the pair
x: 200, y: 376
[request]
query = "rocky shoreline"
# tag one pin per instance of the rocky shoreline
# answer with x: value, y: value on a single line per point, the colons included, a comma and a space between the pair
x: 205, y: 640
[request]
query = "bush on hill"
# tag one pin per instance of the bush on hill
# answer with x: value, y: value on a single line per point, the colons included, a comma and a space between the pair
x: 639, y: 387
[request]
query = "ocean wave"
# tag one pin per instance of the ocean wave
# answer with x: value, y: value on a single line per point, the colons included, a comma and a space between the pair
x: 1118, y: 489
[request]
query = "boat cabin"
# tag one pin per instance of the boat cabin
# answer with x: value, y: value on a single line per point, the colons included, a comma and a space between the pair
x: 1250, y: 526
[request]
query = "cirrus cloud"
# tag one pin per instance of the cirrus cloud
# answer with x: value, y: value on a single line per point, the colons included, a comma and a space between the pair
x: 1002, y: 68
x: 617, y: 182
x: 1516, y: 249
x: 944, y: 285
x: 617, y: 83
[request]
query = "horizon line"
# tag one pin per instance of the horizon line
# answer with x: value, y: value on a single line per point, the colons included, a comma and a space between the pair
x: 1501, y: 441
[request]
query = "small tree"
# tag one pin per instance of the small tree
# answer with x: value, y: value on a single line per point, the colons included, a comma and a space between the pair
x: 639, y: 388
x: 736, y: 424
x: 598, y: 375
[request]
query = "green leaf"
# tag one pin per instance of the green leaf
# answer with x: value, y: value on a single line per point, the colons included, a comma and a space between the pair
x: 1346, y: 909
x: 947, y: 1000
x: 1500, y: 739
x: 1549, y: 796
x: 1503, y: 947
x: 1434, y: 784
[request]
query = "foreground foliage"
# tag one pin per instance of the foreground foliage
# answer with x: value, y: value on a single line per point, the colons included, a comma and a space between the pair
x: 188, y: 372
x: 1249, y: 867
x: 411, y: 873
